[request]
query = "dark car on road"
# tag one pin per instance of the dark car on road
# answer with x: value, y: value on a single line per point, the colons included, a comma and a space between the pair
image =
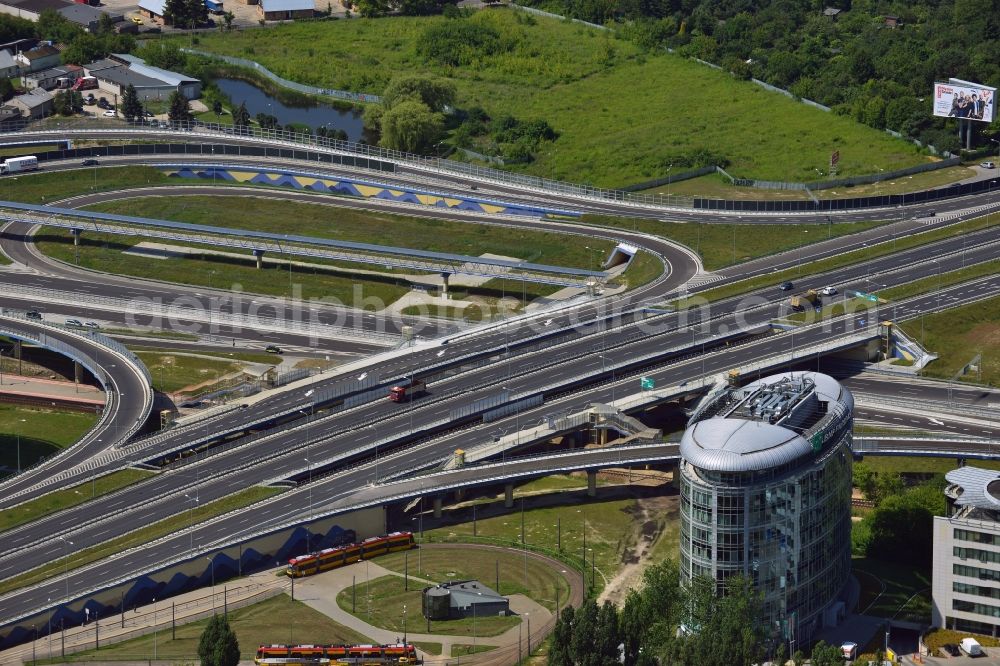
x: 89, y: 162
x: 787, y: 286
x: 272, y: 349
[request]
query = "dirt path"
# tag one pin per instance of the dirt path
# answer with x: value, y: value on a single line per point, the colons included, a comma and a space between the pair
x: 651, y: 515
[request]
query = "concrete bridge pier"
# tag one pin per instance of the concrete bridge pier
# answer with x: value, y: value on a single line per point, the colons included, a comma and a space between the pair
x: 444, y: 284
x: 437, y: 506
x: 591, y: 483
x: 76, y: 233
x: 259, y: 256
x: 77, y: 372
x: 459, y: 494
x: 508, y: 496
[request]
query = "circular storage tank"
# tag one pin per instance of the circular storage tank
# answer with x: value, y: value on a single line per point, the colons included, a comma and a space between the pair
x: 437, y: 603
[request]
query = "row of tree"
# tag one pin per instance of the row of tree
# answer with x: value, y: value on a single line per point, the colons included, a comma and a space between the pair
x: 81, y: 46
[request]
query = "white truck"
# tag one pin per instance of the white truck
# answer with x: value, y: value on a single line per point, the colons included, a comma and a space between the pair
x: 971, y: 647
x: 19, y: 164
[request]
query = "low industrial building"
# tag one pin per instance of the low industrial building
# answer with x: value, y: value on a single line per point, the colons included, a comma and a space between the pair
x: 34, y: 105
x: 83, y: 15
x: 765, y: 479
x: 41, y: 57
x: 462, y: 598
x: 965, y: 589
x: 116, y: 72
x: 52, y: 78
x: 153, y: 9
x: 284, y: 10
x: 8, y: 66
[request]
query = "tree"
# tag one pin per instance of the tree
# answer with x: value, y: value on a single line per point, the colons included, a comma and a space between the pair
x: 228, y: 19
x: 584, y: 630
x: 131, y: 106
x: 436, y: 94
x: 826, y: 655
x: 218, y: 645
x: 606, y: 637
x: 562, y: 639
x: 178, y: 108
x: 6, y: 90
x: 105, y: 26
x: 410, y: 126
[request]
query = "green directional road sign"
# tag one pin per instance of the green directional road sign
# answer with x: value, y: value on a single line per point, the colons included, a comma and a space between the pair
x: 646, y: 383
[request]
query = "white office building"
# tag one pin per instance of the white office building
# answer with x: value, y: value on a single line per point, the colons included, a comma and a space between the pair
x: 966, y: 574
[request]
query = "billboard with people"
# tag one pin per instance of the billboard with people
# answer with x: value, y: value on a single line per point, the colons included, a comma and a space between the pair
x: 964, y: 100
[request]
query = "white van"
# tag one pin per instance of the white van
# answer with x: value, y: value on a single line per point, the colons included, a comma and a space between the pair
x: 971, y: 647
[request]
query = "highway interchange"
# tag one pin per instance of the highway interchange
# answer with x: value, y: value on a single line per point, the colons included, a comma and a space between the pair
x: 581, y: 354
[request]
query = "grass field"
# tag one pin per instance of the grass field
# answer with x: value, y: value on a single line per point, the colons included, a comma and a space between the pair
x: 716, y: 186
x: 344, y: 224
x: 957, y: 335
x: 610, y: 529
x: 721, y: 245
x: 935, y: 282
x: 180, y: 520
x: 38, y: 433
x: 582, y: 81
x: 274, y: 620
x: 441, y: 564
x: 47, y: 187
x: 64, y: 499
x: 380, y: 603
x: 172, y: 372
x: 919, y: 465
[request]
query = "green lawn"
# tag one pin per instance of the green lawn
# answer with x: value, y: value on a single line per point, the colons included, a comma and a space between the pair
x: 180, y: 520
x: 622, y: 116
x: 441, y: 564
x: 919, y: 464
x: 610, y: 530
x: 344, y: 224
x: 39, y: 432
x: 714, y: 243
x: 172, y: 371
x: 380, y: 603
x: 47, y: 187
x: 957, y: 335
x: 14, y: 151
x: 272, y: 621
x: 64, y: 499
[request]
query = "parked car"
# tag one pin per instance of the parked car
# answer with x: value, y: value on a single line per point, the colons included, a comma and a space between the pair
x: 137, y: 20
x: 33, y: 314
x: 74, y: 322
x: 90, y: 161
x: 828, y: 291
x: 786, y: 286
x: 988, y: 165
x: 272, y: 349
x: 951, y: 649
x: 110, y: 113
x: 91, y: 324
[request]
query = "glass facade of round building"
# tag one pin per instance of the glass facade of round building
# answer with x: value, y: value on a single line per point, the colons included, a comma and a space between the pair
x: 765, y: 493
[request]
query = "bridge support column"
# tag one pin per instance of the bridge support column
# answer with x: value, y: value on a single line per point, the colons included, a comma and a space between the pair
x: 602, y: 436
x: 76, y: 235
x: 437, y: 506
x: 259, y: 255
x: 459, y: 494
x: 444, y: 284
x: 675, y: 476
x: 508, y: 496
x: 77, y: 372
x: 591, y: 483
x: 17, y: 354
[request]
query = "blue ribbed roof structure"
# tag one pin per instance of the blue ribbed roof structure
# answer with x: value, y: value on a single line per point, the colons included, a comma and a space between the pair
x: 980, y: 487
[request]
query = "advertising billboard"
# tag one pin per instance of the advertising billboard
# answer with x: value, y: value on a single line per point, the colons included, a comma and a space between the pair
x: 964, y: 100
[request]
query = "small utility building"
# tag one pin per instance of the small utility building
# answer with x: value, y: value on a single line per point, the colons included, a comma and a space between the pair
x: 462, y: 598
x: 283, y: 10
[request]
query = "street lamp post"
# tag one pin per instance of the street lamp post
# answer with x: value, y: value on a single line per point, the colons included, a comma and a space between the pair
x: 212, y: 562
x: 66, y: 544
x: 404, y: 624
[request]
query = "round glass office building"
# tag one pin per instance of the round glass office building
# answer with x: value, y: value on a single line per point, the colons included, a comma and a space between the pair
x: 766, y: 493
